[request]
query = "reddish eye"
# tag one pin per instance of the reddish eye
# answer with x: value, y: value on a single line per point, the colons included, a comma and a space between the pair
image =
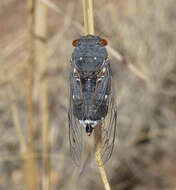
x: 75, y: 42
x: 104, y: 42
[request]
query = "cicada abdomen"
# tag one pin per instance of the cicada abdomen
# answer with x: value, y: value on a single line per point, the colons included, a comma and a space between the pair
x: 91, y: 99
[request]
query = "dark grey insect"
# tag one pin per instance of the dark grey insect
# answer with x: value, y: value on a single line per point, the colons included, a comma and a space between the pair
x: 91, y: 98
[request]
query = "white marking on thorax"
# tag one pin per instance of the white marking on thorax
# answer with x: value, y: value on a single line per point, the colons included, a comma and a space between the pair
x: 85, y: 122
x: 104, y: 69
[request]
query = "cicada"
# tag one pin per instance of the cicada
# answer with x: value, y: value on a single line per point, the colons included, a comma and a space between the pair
x: 91, y: 97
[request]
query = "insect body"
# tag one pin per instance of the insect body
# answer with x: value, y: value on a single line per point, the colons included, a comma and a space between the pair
x: 91, y: 99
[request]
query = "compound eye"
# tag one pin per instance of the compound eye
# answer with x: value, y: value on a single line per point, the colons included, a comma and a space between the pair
x: 75, y: 42
x: 104, y: 42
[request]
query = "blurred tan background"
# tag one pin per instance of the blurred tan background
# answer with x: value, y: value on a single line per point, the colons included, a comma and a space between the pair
x: 142, y: 48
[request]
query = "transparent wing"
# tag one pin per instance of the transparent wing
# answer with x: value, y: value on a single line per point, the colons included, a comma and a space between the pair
x: 75, y: 135
x: 109, y: 130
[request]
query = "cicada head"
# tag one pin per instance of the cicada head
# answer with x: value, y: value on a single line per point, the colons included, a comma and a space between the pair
x: 89, y: 53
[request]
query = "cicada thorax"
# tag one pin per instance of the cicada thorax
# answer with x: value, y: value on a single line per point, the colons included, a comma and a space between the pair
x: 91, y: 88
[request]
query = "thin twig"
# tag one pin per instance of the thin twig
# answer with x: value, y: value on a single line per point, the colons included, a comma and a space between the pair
x: 41, y: 30
x: 28, y: 160
x: 31, y: 25
x: 98, y: 145
x: 51, y: 5
x: 30, y: 167
x: 17, y: 125
x: 139, y: 73
x: 88, y: 16
x: 89, y: 29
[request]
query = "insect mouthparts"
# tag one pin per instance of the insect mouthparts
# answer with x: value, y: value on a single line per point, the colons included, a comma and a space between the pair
x: 89, y: 129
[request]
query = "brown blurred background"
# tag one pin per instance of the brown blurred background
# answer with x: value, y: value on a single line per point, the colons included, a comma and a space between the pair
x: 142, y: 41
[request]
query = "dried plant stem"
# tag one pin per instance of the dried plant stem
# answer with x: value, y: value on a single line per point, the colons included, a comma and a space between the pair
x: 98, y: 145
x: 89, y: 29
x: 88, y: 16
x: 30, y: 166
x: 41, y: 34
x: 31, y: 25
x: 22, y: 142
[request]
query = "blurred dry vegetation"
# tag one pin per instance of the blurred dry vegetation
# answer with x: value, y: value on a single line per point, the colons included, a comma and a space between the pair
x: 144, y: 32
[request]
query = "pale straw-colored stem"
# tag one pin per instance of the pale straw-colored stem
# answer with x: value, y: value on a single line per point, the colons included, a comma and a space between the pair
x: 88, y: 16
x: 98, y: 146
x: 31, y: 49
x: 28, y: 160
x: 29, y: 165
x: 17, y: 125
x: 41, y: 51
x: 89, y: 29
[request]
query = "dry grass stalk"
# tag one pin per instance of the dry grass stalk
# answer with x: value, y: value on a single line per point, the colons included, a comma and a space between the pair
x: 31, y: 25
x: 89, y: 29
x: 41, y: 33
x: 98, y: 144
x: 88, y: 16
x: 28, y: 161
x: 32, y: 173
x: 22, y: 142
x: 51, y: 5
